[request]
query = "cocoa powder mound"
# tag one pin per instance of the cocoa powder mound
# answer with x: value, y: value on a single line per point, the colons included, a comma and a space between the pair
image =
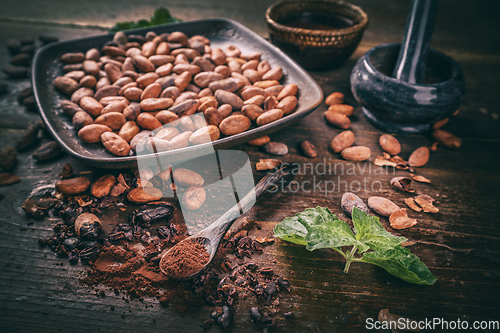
x: 184, y: 259
x: 128, y: 271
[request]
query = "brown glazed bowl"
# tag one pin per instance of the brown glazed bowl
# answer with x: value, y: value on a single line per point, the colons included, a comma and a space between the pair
x: 318, y: 34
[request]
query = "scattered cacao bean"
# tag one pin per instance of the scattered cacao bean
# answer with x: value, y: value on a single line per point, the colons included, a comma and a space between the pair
x: 47, y: 151
x: 350, y: 200
x: 8, y: 179
x: 446, y: 139
x: 275, y: 148
x: 342, y: 141
x: 308, y: 149
x: 358, y: 153
x: 73, y: 185
x: 382, y: 206
x: 8, y: 157
x: 390, y: 144
x: 419, y: 157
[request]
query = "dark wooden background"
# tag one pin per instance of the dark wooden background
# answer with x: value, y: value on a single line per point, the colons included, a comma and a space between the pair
x: 40, y: 293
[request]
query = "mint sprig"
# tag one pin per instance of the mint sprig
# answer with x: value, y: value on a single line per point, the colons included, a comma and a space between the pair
x: 318, y: 228
x: 161, y: 16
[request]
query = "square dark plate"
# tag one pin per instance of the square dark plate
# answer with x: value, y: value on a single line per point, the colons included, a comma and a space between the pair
x: 221, y: 32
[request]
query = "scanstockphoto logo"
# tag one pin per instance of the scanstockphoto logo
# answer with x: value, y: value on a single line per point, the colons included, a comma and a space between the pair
x: 432, y: 324
x: 206, y: 182
x: 328, y: 177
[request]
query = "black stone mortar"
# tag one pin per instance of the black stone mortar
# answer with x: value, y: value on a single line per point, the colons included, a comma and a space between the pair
x: 406, y: 87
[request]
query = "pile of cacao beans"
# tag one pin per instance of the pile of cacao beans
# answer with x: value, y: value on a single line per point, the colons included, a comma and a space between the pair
x: 163, y: 92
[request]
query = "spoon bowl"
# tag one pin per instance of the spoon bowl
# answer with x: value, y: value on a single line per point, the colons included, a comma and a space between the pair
x: 211, y: 236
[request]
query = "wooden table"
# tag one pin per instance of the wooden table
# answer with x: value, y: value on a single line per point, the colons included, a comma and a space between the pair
x: 40, y: 292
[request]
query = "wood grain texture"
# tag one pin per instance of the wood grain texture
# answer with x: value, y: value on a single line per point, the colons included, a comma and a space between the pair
x: 40, y: 292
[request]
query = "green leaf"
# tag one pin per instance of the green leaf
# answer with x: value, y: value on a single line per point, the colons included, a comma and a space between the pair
x: 291, y: 230
x: 331, y: 234
x: 401, y: 263
x: 371, y: 232
x: 161, y: 16
x: 294, y: 229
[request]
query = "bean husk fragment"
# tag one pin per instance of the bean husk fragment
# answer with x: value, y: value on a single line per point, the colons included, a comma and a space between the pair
x: 426, y: 202
x: 392, y: 320
x: 421, y: 179
x: 400, y: 220
x: 412, y: 204
x: 47, y: 151
x: 402, y: 184
x: 267, y: 164
x: 350, y: 200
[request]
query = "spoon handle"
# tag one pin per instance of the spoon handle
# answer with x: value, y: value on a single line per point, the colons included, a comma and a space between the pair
x: 267, y: 184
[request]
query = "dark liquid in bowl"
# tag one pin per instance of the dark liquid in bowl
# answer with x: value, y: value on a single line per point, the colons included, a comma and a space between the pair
x: 316, y: 20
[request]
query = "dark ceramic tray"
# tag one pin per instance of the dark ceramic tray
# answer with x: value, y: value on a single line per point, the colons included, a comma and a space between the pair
x: 221, y: 32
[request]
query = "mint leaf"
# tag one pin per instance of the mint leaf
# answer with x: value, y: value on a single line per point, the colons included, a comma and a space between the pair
x: 401, y: 263
x: 372, y: 233
x: 318, y: 228
x: 161, y: 16
x: 331, y: 234
x: 291, y: 230
x: 295, y: 229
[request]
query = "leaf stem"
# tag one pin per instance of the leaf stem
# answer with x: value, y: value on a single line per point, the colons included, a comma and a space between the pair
x: 350, y: 258
x: 340, y: 251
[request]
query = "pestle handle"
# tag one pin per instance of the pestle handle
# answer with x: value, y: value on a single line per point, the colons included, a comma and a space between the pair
x: 412, y: 58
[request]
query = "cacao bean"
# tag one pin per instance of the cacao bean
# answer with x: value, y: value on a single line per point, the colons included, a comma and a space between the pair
x: 194, y: 198
x: 390, y: 144
x: 47, y: 151
x: 357, y: 154
x: 382, y: 206
x: 275, y: 148
x: 342, y: 141
x: 101, y: 187
x: 419, y: 157
x: 73, y: 185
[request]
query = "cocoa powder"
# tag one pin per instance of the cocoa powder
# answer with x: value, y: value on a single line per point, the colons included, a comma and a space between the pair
x: 127, y: 271
x: 184, y: 259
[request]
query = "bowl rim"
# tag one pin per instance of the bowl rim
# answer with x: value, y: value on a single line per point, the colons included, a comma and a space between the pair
x: 334, y: 32
x: 457, y: 73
